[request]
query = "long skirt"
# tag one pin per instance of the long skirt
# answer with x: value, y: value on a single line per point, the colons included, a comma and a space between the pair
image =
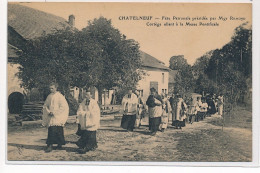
x: 183, y: 123
x: 87, y: 140
x: 149, y: 123
x: 212, y: 109
x: 55, y: 135
x: 197, y: 117
x: 155, y: 123
x: 128, y: 122
x: 178, y: 123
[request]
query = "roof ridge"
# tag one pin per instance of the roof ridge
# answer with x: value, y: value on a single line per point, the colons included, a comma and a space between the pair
x: 152, y: 57
x: 150, y: 61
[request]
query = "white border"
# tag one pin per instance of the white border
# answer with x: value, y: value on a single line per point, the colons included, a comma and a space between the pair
x: 34, y: 167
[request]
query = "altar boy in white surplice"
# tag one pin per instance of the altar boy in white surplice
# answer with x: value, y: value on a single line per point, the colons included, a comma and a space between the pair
x: 88, y: 116
x: 55, y: 115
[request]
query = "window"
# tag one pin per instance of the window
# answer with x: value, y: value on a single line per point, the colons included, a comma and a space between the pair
x: 164, y: 91
x: 162, y: 77
x: 141, y: 93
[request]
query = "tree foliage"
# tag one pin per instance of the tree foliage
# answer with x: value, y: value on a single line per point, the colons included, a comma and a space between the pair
x: 228, y: 70
x: 178, y: 62
x: 120, y: 57
x: 201, y: 64
x: 184, y: 80
x: 98, y: 55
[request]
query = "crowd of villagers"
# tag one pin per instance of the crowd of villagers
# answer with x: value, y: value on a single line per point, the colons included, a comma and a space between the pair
x: 158, y: 107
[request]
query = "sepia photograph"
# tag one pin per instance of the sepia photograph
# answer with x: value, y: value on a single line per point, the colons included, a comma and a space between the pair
x: 157, y: 82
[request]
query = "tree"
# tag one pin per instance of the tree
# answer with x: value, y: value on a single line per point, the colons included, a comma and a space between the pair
x: 201, y: 64
x: 47, y: 59
x: 184, y: 80
x: 178, y: 62
x: 99, y: 56
x: 229, y: 69
x: 120, y: 57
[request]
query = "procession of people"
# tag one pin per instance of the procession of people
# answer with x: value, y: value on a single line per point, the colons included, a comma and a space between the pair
x: 159, y: 107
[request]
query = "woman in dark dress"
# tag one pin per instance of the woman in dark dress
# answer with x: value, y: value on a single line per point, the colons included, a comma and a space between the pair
x: 211, y: 106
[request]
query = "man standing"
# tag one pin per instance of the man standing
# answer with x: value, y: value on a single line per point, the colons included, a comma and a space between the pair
x: 154, y: 103
x: 55, y: 115
x: 88, y: 116
x: 130, y: 103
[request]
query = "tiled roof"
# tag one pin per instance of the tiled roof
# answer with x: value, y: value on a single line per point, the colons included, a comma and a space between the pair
x: 150, y: 61
x: 31, y: 23
x: 172, y: 74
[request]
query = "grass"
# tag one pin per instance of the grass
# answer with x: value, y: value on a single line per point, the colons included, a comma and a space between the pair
x: 240, y: 117
x: 213, y: 145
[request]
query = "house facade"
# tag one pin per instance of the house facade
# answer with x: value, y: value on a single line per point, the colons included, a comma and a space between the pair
x: 156, y: 76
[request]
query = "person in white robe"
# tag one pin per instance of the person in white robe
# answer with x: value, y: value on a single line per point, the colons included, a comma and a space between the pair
x: 130, y: 110
x: 203, y: 108
x: 88, y: 116
x: 140, y: 110
x: 198, y: 106
x: 166, y: 112
x: 55, y: 114
x: 192, y: 109
x: 179, y: 119
x: 220, y: 104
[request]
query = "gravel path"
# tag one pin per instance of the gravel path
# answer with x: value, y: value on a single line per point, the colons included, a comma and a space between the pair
x: 201, y: 141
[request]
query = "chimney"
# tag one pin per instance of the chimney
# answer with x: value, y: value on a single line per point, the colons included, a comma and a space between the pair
x: 71, y: 20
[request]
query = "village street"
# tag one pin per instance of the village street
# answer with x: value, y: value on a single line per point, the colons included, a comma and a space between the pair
x: 201, y: 141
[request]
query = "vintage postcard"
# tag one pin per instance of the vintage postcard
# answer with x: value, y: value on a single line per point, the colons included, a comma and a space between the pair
x: 157, y: 83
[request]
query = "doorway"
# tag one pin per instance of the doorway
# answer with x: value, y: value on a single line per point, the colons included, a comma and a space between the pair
x: 15, y: 102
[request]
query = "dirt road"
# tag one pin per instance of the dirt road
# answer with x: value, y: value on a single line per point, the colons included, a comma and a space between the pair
x: 201, y: 141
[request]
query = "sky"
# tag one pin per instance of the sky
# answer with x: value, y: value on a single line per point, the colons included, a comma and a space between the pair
x: 165, y: 41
